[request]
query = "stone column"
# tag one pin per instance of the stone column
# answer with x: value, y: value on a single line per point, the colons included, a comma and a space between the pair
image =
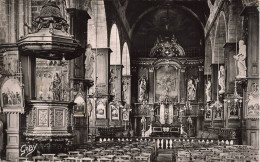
x: 182, y: 86
x: 78, y: 28
x: 200, y: 88
x: 151, y: 85
x: 250, y: 128
x: 229, y: 52
x: 12, y: 148
x: 101, y: 69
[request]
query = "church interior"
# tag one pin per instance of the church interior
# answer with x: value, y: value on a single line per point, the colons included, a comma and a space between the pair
x: 129, y: 80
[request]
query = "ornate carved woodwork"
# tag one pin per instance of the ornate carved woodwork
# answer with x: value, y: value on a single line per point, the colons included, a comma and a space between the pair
x: 48, y: 121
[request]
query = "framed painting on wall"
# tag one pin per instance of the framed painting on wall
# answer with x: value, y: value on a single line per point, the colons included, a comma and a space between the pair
x: 114, y: 112
x: 101, y: 109
x: 208, y: 115
x: 12, y: 96
x: 218, y: 114
x: 80, y: 107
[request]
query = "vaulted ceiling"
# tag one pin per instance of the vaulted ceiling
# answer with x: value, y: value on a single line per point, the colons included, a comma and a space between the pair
x: 147, y: 20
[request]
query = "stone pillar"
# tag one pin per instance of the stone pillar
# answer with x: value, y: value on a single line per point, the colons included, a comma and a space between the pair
x: 182, y: 86
x: 78, y: 28
x: 101, y: 69
x: 251, y: 29
x: 151, y: 85
x: 229, y: 52
x: 12, y: 148
x: 200, y: 87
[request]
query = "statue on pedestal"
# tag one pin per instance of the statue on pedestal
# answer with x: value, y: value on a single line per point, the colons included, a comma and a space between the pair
x: 142, y: 89
x: 89, y: 62
x: 191, y: 90
x: 221, y: 79
x: 241, y: 60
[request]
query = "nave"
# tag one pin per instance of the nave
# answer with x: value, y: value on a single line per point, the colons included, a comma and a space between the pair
x: 152, y: 150
x: 129, y: 80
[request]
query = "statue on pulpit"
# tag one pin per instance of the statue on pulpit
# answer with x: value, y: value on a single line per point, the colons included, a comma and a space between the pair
x: 89, y: 62
x: 208, y: 91
x: 241, y: 60
x: 191, y: 90
x: 56, y: 87
x: 142, y: 89
x: 221, y: 79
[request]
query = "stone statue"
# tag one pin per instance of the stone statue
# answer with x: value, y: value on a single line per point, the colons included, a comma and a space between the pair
x: 56, y: 87
x: 208, y: 91
x: 221, y: 79
x: 89, y: 107
x: 241, y: 60
x: 89, y: 61
x: 142, y: 89
x: 191, y: 90
x: 112, y: 82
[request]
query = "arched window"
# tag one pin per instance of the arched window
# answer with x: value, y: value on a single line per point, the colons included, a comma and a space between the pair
x: 115, y: 56
x: 126, y: 60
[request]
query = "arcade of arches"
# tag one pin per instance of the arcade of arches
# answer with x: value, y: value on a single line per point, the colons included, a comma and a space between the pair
x: 78, y: 74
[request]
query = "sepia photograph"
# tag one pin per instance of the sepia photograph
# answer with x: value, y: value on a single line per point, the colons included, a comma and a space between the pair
x: 129, y: 81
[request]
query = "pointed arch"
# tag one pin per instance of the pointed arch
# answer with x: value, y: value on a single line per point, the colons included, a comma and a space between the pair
x: 126, y: 60
x: 115, y: 56
x: 220, y: 40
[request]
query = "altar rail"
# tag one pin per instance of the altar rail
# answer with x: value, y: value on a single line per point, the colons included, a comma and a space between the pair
x: 170, y: 142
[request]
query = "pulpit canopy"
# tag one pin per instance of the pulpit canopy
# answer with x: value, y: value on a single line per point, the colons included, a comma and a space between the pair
x: 49, y: 37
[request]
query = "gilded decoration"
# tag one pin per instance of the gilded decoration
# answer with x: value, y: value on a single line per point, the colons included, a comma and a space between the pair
x: 166, y: 47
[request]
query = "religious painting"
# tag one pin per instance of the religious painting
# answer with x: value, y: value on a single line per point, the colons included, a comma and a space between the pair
x: 233, y: 110
x: 252, y: 106
x: 12, y: 96
x: 125, y: 115
x: 114, y: 112
x: 218, y: 114
x: 101, y: 109
x: 167, y: 83
x: 79, y: 108
x: 208, y: 114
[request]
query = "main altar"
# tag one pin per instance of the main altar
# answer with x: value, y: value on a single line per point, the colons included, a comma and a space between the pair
x: 170, y: 90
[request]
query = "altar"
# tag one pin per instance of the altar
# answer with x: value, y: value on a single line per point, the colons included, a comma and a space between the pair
x: 168, y: 101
